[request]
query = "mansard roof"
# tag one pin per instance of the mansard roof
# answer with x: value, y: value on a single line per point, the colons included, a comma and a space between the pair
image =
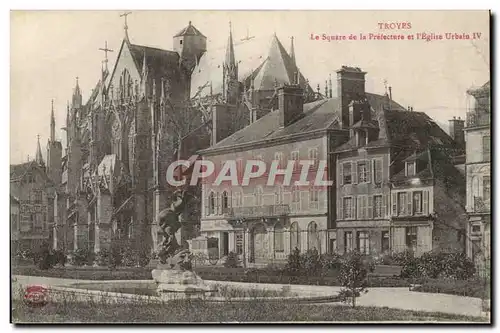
x: 318, y: 115
x: 397, y: 127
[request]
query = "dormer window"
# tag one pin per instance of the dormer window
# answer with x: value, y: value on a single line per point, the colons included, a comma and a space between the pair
x: 180, y: 42
x: 410, y: 169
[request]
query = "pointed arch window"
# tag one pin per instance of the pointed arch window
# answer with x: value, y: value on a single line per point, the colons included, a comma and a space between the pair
x: 211, y: 203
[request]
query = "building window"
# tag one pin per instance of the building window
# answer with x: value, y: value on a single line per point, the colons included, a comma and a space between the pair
x: 362, y: 206
x: 294, y: 236
x: 295, y: 156
x: 37, y: 196
x: 347, y: 208
x: 486, y: 188
x: 238, y: 199
x: 363, y: 242
x: 258, y: 196
x: 239, y: 242
x: 347, y: 173
x: 363, y: 172
x: 211, y: 203
x: 385, y: 241
x: 411, y: 238
x: 278, y: 195
x: 225, y: 200
x: 476, y: 228
x: 377, y: 171
x: 279, y: 235
x: 348, y: 241
x: 417, y: 202
x: 410, y: 169
x: 312, y: 236
x: 313, y: 155
x: 278, y: 156
x: 486, y: 148
x: 313, y: 198
x: 377, y: 206
x: 295, y: 194
x: 402, y: 203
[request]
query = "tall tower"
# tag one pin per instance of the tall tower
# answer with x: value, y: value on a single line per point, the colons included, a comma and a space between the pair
x: 191, y: 44
x: 54, y: 152
x: 77, y: 96
x: 230, y: 72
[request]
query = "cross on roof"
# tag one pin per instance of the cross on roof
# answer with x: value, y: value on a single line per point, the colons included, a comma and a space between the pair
x: 125, y: 26
x: 106, y: 50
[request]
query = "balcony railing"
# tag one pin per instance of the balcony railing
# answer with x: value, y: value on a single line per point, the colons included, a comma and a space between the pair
x: 475, y: 118
x: 481, y: 205
x: 257, y: 211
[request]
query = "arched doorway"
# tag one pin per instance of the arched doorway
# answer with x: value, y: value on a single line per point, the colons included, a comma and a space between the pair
x: 294, y: 237
x: 259, y: 243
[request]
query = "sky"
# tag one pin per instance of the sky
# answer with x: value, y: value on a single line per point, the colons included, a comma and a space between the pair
x: 49, y: 49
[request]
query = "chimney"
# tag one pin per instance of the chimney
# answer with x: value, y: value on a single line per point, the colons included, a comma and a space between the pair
x: 291, y: 104
x: 457, y: 130
x: 350, y: 86
x: 222, y: 125
x: 390, y: 93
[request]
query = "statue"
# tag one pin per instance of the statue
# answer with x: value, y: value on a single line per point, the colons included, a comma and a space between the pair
x: 169, y: 222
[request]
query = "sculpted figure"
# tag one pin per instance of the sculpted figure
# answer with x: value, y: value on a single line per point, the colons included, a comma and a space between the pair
x: 169, y: 224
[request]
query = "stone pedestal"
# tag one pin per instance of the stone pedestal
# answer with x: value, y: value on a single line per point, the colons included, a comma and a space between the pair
x: 179, y: 284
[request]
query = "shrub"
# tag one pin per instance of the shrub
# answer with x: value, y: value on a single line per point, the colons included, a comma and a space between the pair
x: 353, y: 274
x: 293, y: 266
x: 311, y: 263
x: 59, y: 257
x: 103, y: 257
x: 331, y: 261
x: 82, y: 257
x: 232, y: 260
x: 456, y: 265
x: 42, y: 257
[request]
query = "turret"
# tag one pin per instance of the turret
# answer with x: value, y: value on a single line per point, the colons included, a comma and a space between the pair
x: 191, y: 44
x: 38, y: 155
x: 77, y: 97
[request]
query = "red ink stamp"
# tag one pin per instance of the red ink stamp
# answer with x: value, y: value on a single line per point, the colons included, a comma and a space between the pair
x: 36, y: 295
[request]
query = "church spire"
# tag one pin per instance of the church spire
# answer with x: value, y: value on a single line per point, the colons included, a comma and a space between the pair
x: 52, y: 124
x: 38, y: 156
x: 230, y: 60
x: 292, y: 52
x: 77, y: 96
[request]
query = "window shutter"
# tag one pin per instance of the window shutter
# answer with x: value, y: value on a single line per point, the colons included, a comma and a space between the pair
x: 425, y: 202
x: 341, y: 173
x: 207, y: 204
x: 409, y: 203
x: 359, y: 208
x: 218, y: 203
x: 353, y: 208
x: 354, y: 172
x: 369, y: 167
x: 370, y: 206
x: 230, y: 199
x: 394, y: 204
x: 384, y: 205
x: 340, y: 209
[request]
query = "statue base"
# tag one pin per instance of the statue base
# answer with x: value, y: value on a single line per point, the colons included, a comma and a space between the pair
x: 179, y: 284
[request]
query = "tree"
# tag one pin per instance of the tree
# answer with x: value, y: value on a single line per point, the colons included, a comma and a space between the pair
x: 353, y: 274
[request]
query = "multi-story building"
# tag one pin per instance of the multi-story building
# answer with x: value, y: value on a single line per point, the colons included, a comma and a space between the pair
x: 428, y: 204
x: 14, y: 222
x: 373, y: 163
x: 478, y: 173
x: 363, y: 137
x: 34, y: 191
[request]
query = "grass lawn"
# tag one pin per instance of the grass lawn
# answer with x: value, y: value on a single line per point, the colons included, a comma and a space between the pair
x: 479, y: 288
x: 200, y: 311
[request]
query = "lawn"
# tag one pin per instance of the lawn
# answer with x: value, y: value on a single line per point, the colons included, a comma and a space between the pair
x: 201, y: 311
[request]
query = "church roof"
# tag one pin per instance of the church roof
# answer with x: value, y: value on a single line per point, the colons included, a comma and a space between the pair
x: 160, y: 63
x: 190, y: 30
x: 256, y: 57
